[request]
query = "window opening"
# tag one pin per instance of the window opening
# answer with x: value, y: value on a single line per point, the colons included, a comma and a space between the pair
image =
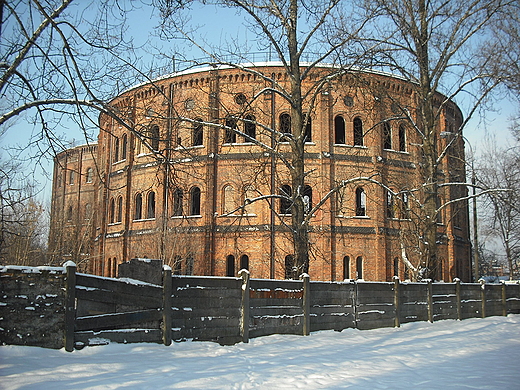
x: 359, y: 267
x: 387, y: 136
x: 307, y: 198
x: 195, y: 201
x: 285, y: 201
x: 154, y: 135
x: 150, y: 203
x: 124, y: 146
x: 308, y: 129
x: 71, y: 177
x: 244, y: 262
x: 178, y: 195
x: 90, y: 175
x: 396, y: 267
x: 230, y: 265
x: 250, y: 127
x: 390, y: 205
x: 198, y: 133
x: 285, y: 124
x: 116, y: 149
x: 111, y: 211
x: 402, y: 138
x: 339, y: 130
x: 290, y: 267
x: 138, y: 206
x: 119, y: 209
x: 346, y: 267
x: 358, y: 131
x: 230, y: 136
x: 361, y: 202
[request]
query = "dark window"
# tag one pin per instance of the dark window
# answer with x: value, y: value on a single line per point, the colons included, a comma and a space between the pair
x: 358, y: 131
x: 244, y: 262
x: 154, y: 135
x: 359, y: 267
x: 361, y: 202
x: 119, y: 209
x: 230, y: 136
x: 111, y: 212
x: 405, y: 206
x: 285, y: 124
x: 230, y: 265
x: 346, y: 267
x: 339, y: 130
x: 178, y: 195
x: 198, y: 133
x: 396, y: 267
x: 285, y: 201
x: 387, y: 136
x: 124, y: 146
x: 116, y: 149
x: 150, y: 203
x: 250, y: 127
x: 138, y: 207
x: 290, y: 267
x: 195, y: 201
x: 189, y: 265
x: 402, y: 138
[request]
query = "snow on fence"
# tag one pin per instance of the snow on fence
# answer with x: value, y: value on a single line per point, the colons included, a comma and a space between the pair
x: 55, y: 307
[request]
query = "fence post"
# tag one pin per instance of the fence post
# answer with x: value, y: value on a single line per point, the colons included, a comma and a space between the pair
x: 459, y: 298
x: 244, y: 319
x: 306, y: 304
x: 430, y: 300
x: 483, y: 296
x: 504, y: 299
x: 70, y: 305
x: 167, y: 305
x: 397, y: 320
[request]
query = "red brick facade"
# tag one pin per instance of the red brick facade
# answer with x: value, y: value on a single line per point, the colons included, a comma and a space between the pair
x: 187, y: 213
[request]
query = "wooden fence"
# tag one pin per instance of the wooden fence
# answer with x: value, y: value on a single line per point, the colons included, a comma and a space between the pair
x: 98, y: 310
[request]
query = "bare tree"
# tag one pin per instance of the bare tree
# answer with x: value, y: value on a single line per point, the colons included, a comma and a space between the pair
x: 435, y: 43
x: 499, y: 171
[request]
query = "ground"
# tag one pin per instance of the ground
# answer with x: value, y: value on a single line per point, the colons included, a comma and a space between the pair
x: 469, y: 354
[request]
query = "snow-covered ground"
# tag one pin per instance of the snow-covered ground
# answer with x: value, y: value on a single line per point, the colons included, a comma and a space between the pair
x: 469, y: 354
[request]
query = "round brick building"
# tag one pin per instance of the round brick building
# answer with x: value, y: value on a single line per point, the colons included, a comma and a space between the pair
x: 184, y: 171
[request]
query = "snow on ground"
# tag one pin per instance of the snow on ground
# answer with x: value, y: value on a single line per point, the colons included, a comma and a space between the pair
x: 469, y: 354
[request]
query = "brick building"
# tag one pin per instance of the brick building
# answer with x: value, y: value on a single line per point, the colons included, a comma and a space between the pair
x: 173, y: 187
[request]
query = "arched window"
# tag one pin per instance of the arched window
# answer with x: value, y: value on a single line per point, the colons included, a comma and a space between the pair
x: 72, y: 175
x: 119, y: 209
x: 405, y: 206
x: 111, y: 211
x: 230, y: 136
x: 307, y: 198
x: 178, y: 195
x: 69, y: 214
x: 402, y: 138
x: 195, y: 201
x: 230, y: 265
x: 198, y: 133
x: 387, y: 136
x: 150, y: 205
x: 285, y: 124
x: 244, y: 262
x: 307, y: 120
x: 228, y: 203
x: 290, y: 267
x: 249, y: 193
x: 124, y: 146
x: 250, y: 127
x: 154, y: 137
x: 339, y: 130
x: 359, y: 267
x: 138, y: 212
x: 90, y: 175
x: 358, y: 131
x: 361, y: 202
x: 396, y: 266
x: 285, y: 201
x: 116, y: 149
x: 346, y: 267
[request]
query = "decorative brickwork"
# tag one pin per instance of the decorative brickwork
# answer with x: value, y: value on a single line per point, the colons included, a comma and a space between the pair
x: 171, y: 189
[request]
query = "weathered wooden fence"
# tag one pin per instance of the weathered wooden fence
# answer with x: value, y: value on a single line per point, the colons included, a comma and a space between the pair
x: 228, y: 310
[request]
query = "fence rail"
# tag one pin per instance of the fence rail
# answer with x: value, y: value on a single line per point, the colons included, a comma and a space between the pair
x: 98, y: 310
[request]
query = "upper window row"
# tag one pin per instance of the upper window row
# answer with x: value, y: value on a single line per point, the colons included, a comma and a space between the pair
x: 89, y: 177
